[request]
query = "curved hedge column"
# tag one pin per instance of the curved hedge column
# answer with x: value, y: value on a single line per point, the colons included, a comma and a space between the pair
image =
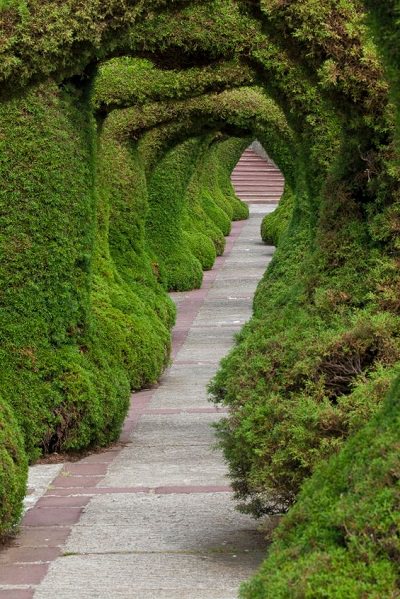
x: 46, y: 236
x: 178, y: 268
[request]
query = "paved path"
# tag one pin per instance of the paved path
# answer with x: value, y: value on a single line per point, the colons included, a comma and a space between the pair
x: 153, y: 517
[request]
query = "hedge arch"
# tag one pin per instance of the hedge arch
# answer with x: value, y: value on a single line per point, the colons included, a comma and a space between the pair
x: 102, y: 114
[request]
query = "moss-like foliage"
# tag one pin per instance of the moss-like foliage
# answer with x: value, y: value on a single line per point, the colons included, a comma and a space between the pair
x: 294, y: 379
x: 13, y: 470
x: 46, y: 226
x: 178, y: 268
x: 341, y: 539
x: 63, y: 290
x: 119, y: 82
x: 274, y: 225
x: 306, y: 386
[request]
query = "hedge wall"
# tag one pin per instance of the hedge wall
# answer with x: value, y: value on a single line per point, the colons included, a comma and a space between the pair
x: 85, y: 315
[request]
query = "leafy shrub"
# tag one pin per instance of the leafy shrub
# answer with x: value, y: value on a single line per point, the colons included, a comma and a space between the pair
x: 97, y: 221
x: 294, y: 398
x: 216, y: 213
x: 341, y: 538
x: 275, y: 224
x: 202, y: 248
x: 13, y: 470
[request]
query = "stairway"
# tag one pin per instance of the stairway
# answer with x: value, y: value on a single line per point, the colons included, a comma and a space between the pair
x: 257, y: 180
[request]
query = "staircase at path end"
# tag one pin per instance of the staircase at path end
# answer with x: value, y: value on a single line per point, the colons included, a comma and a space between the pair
x: 256, y: 179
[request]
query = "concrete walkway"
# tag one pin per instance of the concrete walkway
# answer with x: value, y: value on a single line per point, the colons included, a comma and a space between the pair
x: 153, y: 517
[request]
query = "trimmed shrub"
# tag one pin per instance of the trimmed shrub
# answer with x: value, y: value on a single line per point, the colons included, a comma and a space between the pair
x: 179, y: 269
x: 13, y: 470
x: 202, y: 248
x: 115, y: 185
x: 215, y: 212
x: 47, y: 180
x: 275, y: 224
x: 305, y: 388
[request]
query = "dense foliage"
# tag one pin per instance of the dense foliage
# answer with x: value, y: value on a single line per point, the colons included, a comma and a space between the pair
x: 13, y: 465
x: 341, y: 538
x: 86, y: 264
x: 119, y: 126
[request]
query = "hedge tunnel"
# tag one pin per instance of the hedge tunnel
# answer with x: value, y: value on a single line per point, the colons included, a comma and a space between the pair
x: 120, y: 125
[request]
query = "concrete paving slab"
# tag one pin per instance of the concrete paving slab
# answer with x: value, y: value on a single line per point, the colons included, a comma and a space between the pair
x: 174, y: 430
x: 158, y: 466
x: 182, y: 389
x: 240, y: 287
x: 39, y: 478
x: 183, y: 398
x: 130, y: 576
x: 200, y: 523
x: 242, y: 271
x: 220, y: 312
x: 204, y: 344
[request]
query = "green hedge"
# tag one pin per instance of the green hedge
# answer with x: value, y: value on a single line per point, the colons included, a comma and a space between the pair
x: 275, y: 224
x: 46, y: 226
x: 178, y: 267
x: 325, y: 325
x: 341, y: 538
x: 13, y: 470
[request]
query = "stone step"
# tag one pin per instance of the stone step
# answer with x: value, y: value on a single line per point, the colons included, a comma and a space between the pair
x: 256, y: 179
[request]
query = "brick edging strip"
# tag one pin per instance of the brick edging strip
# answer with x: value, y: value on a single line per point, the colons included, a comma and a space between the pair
x: 46, y: 526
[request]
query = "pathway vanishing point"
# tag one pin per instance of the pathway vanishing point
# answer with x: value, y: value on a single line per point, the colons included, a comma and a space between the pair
x: 153, y: 517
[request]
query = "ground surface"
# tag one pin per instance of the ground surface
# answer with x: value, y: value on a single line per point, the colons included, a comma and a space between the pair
x: 153, y: 517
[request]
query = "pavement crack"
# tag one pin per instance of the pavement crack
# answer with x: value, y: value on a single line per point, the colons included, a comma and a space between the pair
x: 202, y: 552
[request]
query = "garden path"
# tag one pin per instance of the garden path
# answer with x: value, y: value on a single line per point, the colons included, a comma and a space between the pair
x: 153, y: 517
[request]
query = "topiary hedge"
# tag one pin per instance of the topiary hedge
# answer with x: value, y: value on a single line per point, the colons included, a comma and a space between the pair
x: 275, y: 224
x: 282, y: 375
x: 13, y: 470
x: 46, y: 226
x: 340, y: 540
